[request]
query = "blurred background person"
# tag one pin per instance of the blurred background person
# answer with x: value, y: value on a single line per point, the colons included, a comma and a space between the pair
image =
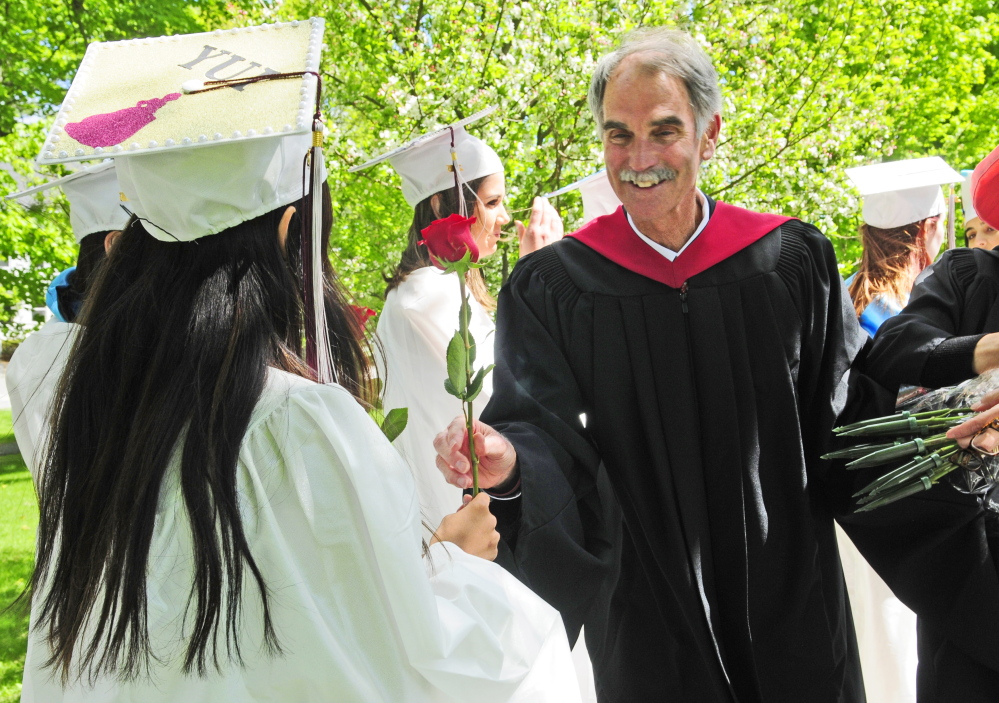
x: 976, y: 232
x: 97, y: 218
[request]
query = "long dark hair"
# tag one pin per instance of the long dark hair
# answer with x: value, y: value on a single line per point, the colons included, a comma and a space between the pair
x: 172, y: 357
x: 91, y: 255
x: 416, y: 256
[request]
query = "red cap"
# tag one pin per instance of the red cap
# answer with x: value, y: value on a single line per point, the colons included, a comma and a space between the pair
x: 985, y: 189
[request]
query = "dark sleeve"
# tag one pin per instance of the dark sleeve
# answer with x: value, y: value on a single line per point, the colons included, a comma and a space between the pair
x: 832, y: 385
x: 936, y: 551
x: 561, y: 536
x: 922, y: 345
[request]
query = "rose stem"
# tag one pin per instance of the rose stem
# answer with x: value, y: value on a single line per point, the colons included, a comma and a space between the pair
x: 466, y: 405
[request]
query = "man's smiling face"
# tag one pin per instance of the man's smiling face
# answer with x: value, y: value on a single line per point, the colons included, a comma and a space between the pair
x: 651, y: 146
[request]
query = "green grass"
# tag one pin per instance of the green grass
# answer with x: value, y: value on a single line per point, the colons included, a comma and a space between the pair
x: 18, y: 521
x: 6, y: 427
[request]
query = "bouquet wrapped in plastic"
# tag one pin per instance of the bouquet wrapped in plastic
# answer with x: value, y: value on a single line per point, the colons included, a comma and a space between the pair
x: 914, y: 439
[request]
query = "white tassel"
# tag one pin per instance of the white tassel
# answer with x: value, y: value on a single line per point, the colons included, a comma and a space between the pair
x: 324, y: 358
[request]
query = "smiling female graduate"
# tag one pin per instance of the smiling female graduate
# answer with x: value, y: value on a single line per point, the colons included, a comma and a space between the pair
x: 220, y: 520
x: 422, y: 302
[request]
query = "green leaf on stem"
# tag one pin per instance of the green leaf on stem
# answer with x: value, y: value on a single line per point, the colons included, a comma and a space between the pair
x: 449, y: 387
x: 395, y: 422
x: 471, y: 349
x: 456, y: 364
x: 475, y: 387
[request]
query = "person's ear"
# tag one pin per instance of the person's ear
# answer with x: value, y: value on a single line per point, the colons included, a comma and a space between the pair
x: 709, y: 140
x: 435, y: 205
x: 110, y: 238
x: 282, y: 232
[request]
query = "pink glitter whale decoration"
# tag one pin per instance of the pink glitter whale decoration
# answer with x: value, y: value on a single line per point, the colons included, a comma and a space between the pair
x: 115, y: 127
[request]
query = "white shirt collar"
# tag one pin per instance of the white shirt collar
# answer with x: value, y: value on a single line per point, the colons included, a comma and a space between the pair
x: 669, y: 253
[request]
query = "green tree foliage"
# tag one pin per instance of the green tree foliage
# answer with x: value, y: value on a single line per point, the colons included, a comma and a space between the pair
x: 811, y: 88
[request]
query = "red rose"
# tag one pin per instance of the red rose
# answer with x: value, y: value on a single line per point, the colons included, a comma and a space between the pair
x: 449, y: 239
x: 362, y: 314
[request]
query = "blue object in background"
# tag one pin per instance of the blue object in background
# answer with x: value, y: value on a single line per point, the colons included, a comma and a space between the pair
x: 876, y: 312
x: 52, y: 294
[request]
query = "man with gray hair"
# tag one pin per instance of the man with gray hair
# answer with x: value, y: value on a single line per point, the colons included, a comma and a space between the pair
x: 668, y: 378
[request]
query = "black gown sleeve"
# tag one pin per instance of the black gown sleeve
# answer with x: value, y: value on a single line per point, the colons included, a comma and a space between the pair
x: 562, y: 535
x: 923, y: 344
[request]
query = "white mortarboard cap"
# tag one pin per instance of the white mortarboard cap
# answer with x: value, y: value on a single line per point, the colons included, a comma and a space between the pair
x: 94, y: 199
x: 426, y: 165
x: 131, y: 97
x: 898, y: 193
x: 193, y: 193
x: 966, y: 204
x: 208, y: 130
x: 599, y: 198
x: 196, y: 163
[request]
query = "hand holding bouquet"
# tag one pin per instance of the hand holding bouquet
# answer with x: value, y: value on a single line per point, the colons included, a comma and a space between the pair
x: 938, y: 434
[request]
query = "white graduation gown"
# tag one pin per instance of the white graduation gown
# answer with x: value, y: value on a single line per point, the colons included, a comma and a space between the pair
x: 886, y: 630
x: 418, y: 320
x: 333, y: 522
x: 32, y: 376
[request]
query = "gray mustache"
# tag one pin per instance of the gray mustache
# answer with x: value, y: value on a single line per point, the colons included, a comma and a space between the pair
x: 650, y: 176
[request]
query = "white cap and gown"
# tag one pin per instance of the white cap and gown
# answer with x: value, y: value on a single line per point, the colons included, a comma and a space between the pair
x: 328, y: 505
x: 93, y: 208
x: 420, y: 315
x: 899, y: 193
x: 967, y: 204
x: 896, y: 194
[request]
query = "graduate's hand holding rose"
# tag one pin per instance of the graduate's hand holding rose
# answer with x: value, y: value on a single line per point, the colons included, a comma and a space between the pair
x: 497, y: 457
x: 544, y: 227
x: 473, y: 528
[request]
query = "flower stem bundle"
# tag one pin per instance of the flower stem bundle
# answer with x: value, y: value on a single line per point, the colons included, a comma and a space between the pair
x: 919, y: 438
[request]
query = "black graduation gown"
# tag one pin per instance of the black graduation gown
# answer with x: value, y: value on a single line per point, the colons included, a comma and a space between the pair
x: 932, y: 341
x: 706, y: 409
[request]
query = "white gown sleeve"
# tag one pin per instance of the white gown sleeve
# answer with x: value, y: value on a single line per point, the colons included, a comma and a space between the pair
x: 472, y: 630
x: 33, y: 375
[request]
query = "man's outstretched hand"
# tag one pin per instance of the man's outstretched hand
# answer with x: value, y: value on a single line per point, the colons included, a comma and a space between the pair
x: 497, y: 457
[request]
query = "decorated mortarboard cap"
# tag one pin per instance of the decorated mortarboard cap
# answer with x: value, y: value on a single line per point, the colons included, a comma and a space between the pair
x: 133, y: 97
x: 208, y: 131
x: 428, y: 163
x: 898, y: 193
x: 94, y: 199
x: 985, y: 189
x: 966, y: 202
x: 599, y: 198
